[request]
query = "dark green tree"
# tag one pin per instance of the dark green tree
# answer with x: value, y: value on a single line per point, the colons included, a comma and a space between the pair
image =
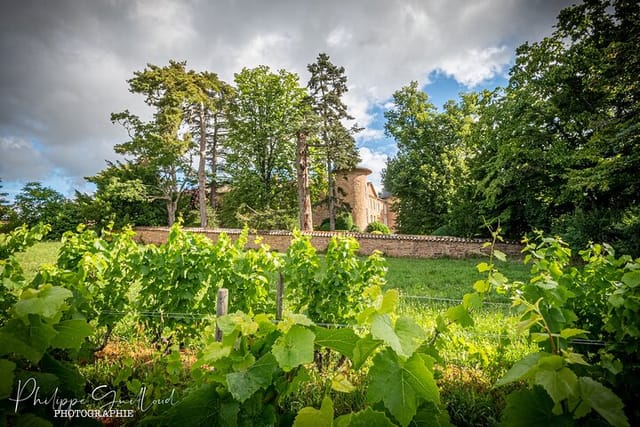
x: 327, y: 85
x: 262, y: 141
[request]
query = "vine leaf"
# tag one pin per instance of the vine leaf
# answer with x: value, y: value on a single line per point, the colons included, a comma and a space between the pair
x: 533, y: 407
x: 521, y: 369
x: 603, y: 400
x: 242, y: 385
x: 7, y: 368
x: 401, y: 386
x: 404, y: 338
x: 311, y: 417
x: 71, y: 333
x: 294, y: 348
x: 560, y: 384
x: 47, y: 301
x: 342, y: 340
x: 365, y: 418
x: 29, y: 341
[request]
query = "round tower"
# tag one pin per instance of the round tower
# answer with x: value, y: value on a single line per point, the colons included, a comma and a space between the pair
x: 351, y: 188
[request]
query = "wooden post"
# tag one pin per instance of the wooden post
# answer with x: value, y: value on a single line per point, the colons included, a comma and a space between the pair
x: 279, y: 296
x: 222, y: 306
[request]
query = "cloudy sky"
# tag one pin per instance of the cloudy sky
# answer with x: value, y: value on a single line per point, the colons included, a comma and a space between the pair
x: 65, y: 63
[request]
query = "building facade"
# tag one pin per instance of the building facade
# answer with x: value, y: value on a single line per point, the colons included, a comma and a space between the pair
x: 358, y: 196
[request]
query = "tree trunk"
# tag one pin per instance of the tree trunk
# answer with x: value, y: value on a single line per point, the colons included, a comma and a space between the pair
x: 332, y: 193
x: 213, y: 188
x: 202, y: 177
x: 304, y: 194
x: 172, y: 207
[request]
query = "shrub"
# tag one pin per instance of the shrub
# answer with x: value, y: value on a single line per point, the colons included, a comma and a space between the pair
x: 344, y: 221
x: 379, y: 227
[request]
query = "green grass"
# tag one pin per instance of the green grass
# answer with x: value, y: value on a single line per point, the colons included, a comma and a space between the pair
x: 444, y: 277
x: 37, y: 255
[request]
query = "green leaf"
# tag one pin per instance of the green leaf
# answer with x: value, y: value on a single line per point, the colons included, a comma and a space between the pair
x: 472, y: 301
x: 390, y: 301
x: 482, y: 286
x: 311, y: 417
x: 71, y: 333
x: 365, y: 418
x: 603, y: 400
x: 401, y: 386
x: 404, y: 338
x: 500, y: 255
x: 631, y: 278
x: 242, y: 385
x: 532, y: 407
x: 30, y: 341
x: 572, y: 332
x: 482, y: 267
x: 363, y: 349
x: 560, y: 384
x: 460, y: 315
x: 294, y: 348
x: 523, y: 368
x: 342, y: 340
x: 32, y: 420
x: 46, y: 301
x: 7, y: 368
x: 342, y: 384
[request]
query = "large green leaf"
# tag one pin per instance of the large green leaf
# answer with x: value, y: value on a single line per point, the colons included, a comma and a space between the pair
x: 364, y: 347
x: 47, y: 301
x: 30, y: 341
x: 243, y: 384
x: 404, y: 337
x: 522, y: 369
x: 365, y: 418
x: 560, y: 384
x: 342, y: 340
x: 532, y: 407
x: 294, y: 348
x: 401, y: 386
x: 459, y: 314
x: 603, y: 400
x: 6, y: 378
x: 311, y: 417
x: 71, y: 333
x: 631, y: 278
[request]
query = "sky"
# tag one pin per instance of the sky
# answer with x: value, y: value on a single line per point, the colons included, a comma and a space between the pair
x: 65, y: 63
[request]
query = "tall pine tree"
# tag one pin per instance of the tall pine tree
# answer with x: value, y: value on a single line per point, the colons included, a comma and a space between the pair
x: 327, y: 85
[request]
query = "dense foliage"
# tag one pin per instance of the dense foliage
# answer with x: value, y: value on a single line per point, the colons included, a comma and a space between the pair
x: 557, y: 149
x: 51, y: 326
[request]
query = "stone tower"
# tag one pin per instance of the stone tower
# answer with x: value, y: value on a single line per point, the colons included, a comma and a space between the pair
x: 351, y: 187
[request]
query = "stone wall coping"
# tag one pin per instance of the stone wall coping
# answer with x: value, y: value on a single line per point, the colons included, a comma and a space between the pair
x: 357, y: 235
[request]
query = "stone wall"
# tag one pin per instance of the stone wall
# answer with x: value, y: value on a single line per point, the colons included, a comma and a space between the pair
x: 395, y: 245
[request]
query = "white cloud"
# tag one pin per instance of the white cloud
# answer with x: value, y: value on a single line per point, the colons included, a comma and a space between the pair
x: 70, y: 60
x: 475, y: 66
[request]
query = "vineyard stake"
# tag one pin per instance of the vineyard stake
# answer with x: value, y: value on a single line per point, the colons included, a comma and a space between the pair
x: 222, y: 306
x: 279, y: 296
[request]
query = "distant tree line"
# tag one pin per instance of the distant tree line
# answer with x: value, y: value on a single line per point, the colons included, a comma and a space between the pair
x: 558, y: 149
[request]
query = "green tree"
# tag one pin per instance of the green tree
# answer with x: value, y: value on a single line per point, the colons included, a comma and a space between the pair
x: 428, y: 171
x: 262, y: 131
x: 36, y: 203
x: 206, y: 100
x: 562, y: 142
x: 327, y: 85
x: 160, y: 144
x: 123, y: 196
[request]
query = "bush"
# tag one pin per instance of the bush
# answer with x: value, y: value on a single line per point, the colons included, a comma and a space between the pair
x: 344, y: 222
x: 379, y: 227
